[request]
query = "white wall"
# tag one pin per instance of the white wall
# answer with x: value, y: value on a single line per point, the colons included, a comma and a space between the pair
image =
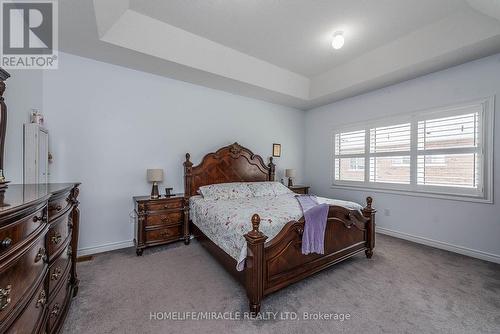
x: 24, y: 92
x: 470, y: 228
x: 108, y: 124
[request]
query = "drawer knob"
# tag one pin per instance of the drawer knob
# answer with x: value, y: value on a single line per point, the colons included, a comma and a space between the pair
x: 39, y: 219
x: 56, y: 274
x: 5, y: 297
x: 5, y: 243
x: 55, y: 310
x: 42, y: 298
x: 56, y: 238
x: 41, y: 255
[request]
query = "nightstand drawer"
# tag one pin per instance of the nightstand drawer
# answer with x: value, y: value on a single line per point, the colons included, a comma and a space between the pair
x: 168, y: 218
x: 164, y: 205
x: 162, y: 234
x: 159, y: 221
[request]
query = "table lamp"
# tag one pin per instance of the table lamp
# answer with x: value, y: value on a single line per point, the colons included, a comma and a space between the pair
x: 155, y: 176
x: 290, y: 174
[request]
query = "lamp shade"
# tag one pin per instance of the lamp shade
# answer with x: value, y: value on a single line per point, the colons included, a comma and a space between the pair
x: 290, y: 172
x: 155, y: 175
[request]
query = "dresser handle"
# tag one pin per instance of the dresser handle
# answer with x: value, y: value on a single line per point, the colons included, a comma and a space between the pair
x: 164, y: 219
x: 56, y: 238
x: 58, y: 208
x: 165, y: 234
x: 41, y: 299
x: 41, y: 255
x: 39, y: 219
x: 5, y: 243
x: 56, y: 274
x: 69, y: 251
x: 5, y: 297
x: 55, y: 310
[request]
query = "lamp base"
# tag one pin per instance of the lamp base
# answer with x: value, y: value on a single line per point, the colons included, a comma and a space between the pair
x: 290, y: 182
x: 155, y: 194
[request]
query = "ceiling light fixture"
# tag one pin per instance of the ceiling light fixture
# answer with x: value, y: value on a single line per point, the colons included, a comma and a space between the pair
x: 338, y: 40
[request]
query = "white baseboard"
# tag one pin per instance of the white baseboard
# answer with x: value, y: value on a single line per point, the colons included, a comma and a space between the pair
x: 441, y: 245
x: 105, y: 248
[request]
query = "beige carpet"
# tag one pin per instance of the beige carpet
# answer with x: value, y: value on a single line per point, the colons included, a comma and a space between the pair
x: 404, y: 288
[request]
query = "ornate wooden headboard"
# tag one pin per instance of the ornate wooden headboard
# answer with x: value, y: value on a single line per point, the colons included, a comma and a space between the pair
x: 233, y: 163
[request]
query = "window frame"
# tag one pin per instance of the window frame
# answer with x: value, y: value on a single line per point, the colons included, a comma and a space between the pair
x: 483, y: 194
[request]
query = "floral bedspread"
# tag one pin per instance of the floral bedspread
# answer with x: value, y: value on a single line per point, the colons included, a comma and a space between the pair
x: 226, y: 221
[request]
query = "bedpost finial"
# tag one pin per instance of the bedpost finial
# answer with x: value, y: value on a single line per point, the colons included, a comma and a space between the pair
x: 188, y: 164
x: 369, y: 201
x: 255, y: 223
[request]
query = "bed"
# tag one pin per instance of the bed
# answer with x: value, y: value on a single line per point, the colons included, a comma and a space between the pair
x: 266, y: 257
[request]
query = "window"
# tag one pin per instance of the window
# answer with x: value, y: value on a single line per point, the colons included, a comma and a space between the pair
x: 444, y: 152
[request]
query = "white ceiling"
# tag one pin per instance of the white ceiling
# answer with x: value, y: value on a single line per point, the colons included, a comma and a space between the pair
x: 279, y: 50
x: 296, y: 34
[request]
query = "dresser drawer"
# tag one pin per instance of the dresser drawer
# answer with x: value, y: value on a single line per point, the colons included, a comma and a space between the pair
x: 20, y: 275
x: 164, y: 234
x: 59, y: 303
x: 167, y: 218
x: 59, y: 268
x: 59, y: 232
x: 32, y: 318
x: 164, y: 205
x: 58, y: 206
x: 13, y: 234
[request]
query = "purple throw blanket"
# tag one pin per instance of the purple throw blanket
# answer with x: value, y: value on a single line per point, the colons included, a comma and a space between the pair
x: 315, y: 215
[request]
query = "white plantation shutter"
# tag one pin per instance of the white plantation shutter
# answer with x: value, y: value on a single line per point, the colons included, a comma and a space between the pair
x: 455, y: 140
x: 447, y: 151
x: 349, y: 156
x: 389, y: 145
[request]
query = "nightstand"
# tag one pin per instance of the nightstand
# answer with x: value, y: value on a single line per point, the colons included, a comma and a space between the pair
x: 160, y: 221
x: 300, y: 189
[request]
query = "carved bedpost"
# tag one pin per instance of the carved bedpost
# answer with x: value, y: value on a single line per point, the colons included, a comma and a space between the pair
x: 187, y: 176
x: 3, y: 121
x: 369, y: 212
x: 272, y: 169
x: 254, y: 265
x: 74, y: 224
x: 187, y: 193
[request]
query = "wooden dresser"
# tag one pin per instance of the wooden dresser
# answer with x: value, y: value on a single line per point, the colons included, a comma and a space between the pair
x: 160, y: 221
x: 38, y: 244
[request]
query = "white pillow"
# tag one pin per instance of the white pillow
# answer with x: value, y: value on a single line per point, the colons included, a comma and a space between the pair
x: 268, y: 189
x: 226, y: 191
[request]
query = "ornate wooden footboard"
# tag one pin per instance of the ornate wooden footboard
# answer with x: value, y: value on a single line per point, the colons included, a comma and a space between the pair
x: 279, y: 262
x: 276, y: 263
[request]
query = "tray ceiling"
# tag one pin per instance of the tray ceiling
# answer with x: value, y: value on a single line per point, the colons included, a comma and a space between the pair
x: 280, y: 51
